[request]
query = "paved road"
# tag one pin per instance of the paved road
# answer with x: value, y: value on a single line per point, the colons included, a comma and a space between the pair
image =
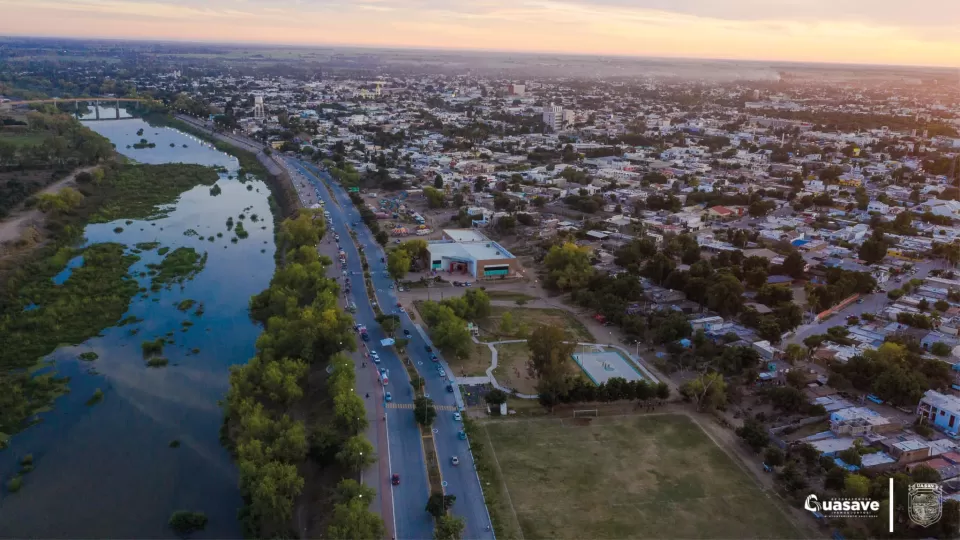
x: 872, y: 303
x: 405, y: 448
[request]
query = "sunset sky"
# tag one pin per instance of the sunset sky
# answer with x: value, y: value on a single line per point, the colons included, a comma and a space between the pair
x: 921, y: 32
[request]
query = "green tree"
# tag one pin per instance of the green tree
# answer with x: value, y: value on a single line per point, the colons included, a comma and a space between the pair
x: 449, y: 528
x: 795, y: 353
x: 725, y: 295
x: 506, y: 323
x: 568, y: 267
x: 940, y: 348
x: 398, y: 263
x: 495, y: 397
x: 873, y: 250
x: 856, y: 486
x: 353, y: 520
x: 550, y: 353
x: 754, y: 434
x: 424, y: 411
x: 349, y: 489
x: 438, y: 182
x: 435, y: 197
x: 357, y: 453
x: 438, y: 504
x: 708, y: 391
x: 794, y: 265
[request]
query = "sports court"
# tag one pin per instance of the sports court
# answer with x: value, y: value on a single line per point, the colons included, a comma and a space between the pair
x: 601, y: 365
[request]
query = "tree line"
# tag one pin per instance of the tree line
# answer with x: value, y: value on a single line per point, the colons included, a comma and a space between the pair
x: 304, y: 332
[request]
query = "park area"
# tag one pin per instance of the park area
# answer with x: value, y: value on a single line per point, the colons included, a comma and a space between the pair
x: 522, y: 321
x: 656, y: 476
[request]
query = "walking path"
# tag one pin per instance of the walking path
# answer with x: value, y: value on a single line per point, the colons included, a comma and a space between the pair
x: 494, y: 354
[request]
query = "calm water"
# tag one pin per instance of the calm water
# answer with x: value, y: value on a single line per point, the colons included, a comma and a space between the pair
x: 107, y: 471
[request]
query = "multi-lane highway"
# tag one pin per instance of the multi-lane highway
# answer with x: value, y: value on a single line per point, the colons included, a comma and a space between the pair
x: 405, y: 453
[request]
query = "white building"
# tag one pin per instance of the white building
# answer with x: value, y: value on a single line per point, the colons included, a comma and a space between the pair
x: 877, y: 206
x: 555, y: 117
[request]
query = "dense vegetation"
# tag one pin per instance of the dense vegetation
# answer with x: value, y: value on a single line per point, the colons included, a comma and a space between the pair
x: 180, y: 265
x: 48, y: 141
x: 304, y: 329
x: 136, y: 191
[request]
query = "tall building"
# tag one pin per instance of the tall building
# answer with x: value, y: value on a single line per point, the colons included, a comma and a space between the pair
x: 557, y: 118
x: 517, y: 89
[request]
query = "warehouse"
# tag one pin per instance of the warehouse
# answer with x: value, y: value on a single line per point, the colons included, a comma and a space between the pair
x: 465, y: 251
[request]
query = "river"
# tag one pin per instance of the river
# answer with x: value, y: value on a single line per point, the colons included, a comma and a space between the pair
x: 108, y: 470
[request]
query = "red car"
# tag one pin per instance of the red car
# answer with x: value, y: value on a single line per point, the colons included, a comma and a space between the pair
x: 395, y: 480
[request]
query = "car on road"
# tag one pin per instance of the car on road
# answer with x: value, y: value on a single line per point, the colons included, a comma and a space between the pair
x: 860, y: 301
x: 462, y: 435
x: 376, y: 357
x: 466, y: 283
x: 454, y: 461
x: 441, y: 371
x: 406, y: 333
x: 428, y: 348
x: 449, y: 388
x: 457, y: 417
x: 433, y: 358
x: 395, y: 480
x: 388, y: 397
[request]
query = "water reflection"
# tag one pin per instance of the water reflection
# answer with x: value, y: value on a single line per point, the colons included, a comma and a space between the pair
x: 108, y: 470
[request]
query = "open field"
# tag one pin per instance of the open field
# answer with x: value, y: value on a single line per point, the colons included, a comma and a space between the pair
x: 508, y: 295
x: 474, y: 365
x: 654, y: 476
x: 26, y: 138
x: 511, y: 369
x: 530, y: 318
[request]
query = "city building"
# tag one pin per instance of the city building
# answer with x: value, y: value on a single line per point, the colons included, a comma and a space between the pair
x: 467, y: 251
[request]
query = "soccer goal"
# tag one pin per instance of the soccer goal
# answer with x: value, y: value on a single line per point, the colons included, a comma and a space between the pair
x: 585, y: 413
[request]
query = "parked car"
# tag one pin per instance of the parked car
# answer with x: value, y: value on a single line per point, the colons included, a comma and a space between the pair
x: 395, y: 480
x: 428, y: 348
x: 388, y: 397
x: 462, y: 435
x: 433, y: 358
x: 376, y: 357
x: 457, y: 417
x: 449, y: 388
x: 406, y: 333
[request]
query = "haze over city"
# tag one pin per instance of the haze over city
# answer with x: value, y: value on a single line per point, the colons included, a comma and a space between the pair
x: 848, y: 31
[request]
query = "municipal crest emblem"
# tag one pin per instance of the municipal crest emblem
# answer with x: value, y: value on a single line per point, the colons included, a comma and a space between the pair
x: 925, y: 503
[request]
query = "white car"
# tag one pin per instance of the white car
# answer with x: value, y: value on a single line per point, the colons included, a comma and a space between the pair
x: 375, y: 356
x: 457, y: 417
x: 455, y: 460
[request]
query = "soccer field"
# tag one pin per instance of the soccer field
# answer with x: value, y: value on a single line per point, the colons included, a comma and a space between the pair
x: 654, y: 476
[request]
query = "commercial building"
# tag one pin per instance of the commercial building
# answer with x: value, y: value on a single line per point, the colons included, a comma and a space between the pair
x: 467, y: 251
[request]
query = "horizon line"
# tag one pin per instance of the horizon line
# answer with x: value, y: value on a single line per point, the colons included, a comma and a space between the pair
x: 469, y: 49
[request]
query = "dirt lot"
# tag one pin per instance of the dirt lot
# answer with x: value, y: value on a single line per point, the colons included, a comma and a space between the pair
x: 511, y: 369
x: 656, y: 476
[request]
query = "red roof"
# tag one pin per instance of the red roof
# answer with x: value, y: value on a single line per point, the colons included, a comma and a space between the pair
x: 952, y: 457
x: 935, y: 463
x: 722, y: 210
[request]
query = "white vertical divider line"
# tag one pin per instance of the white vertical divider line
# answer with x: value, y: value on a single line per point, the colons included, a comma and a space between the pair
x: 890, y: 508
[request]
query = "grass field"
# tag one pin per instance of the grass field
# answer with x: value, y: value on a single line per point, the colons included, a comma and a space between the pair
x: 531, y: 318
x: 621, y: 477
x: 474, y: 365
x: 23, y: 139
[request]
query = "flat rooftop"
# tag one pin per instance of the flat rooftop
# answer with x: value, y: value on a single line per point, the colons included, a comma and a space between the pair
x: 470, y: 251
x: 465, y: 235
